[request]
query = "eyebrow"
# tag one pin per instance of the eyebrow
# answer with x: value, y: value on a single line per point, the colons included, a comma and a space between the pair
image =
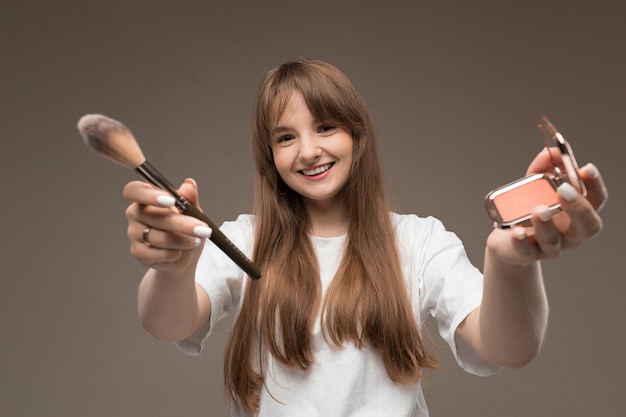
x: 280, y: 129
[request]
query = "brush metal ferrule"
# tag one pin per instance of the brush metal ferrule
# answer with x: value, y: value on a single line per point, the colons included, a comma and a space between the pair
x: 154, y: 177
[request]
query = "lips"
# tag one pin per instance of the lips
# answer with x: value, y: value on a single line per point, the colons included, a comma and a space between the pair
x: 317, y: 170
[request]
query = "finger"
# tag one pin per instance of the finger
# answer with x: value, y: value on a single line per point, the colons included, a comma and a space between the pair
x: 143, y: 214
x: 143, y: 193
x: 585, y: 223
x: 167, y: 229
x: 162, y: 250
x: 597, y: 193
x: 189, y: 190
x: 548, y: 238
x: 544, y: 161
x: 160, y: 239
x: 176, y: 223
x: 151, y: 256
x: 163, y: 218
x: 515, y: 246
x: 523, y: 244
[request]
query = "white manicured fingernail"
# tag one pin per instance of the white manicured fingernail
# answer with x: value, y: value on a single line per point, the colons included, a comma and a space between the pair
x: 192, y: 182
x: 519, y: 233
x: 202, y: 231
x: 568, y: 192
x: 543, y: 212
x: 197, y: 242
x: 166, y: 200
x: 591, y: 171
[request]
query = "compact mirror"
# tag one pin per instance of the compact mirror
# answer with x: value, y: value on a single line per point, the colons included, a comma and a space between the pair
x: 512, y: 204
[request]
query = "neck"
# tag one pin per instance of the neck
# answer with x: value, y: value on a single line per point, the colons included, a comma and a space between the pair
x: 327, y: 219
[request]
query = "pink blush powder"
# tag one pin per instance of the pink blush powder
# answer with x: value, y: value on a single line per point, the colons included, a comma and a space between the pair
x: 519, y: 202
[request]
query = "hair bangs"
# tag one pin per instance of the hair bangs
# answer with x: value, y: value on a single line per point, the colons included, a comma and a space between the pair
x: 328, y: 94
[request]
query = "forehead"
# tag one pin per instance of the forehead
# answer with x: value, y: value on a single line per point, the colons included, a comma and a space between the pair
x: 288, y: 102
x: 286, y: 106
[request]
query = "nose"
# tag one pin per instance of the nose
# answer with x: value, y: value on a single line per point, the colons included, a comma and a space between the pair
x: 309, y: 149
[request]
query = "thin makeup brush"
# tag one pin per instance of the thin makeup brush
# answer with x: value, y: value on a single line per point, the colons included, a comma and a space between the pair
x: 114, y: 141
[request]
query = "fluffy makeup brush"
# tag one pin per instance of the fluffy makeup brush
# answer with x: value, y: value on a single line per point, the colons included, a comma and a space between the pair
x: 114, y: 141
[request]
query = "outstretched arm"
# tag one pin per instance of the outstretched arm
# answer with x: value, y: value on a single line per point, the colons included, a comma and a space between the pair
x: 171, y: 305
x: 509, y: 326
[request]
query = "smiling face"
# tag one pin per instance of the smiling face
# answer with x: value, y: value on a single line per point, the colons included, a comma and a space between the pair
x: 313, y: 157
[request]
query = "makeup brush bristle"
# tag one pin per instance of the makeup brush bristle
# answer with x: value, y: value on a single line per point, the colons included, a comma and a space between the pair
x: 111, y: 139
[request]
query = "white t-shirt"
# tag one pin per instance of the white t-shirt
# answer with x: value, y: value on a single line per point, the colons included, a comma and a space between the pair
x: 351, y: 382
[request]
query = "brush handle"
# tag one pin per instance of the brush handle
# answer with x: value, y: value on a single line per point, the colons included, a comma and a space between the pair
x: 221, y: 241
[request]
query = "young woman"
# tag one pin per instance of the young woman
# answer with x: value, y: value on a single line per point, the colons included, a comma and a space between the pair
x: 333, y: 326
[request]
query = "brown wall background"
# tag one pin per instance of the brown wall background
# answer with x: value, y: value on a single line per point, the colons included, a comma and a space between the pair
x: 456, y: 89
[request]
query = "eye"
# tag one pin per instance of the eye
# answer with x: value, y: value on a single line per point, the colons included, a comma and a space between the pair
x: 284, y: 138
x: 326, y: 128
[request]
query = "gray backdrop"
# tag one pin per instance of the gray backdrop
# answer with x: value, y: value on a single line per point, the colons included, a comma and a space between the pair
x: 456, y: 89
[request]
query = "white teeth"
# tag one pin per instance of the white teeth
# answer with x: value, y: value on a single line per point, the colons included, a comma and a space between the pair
x: 316, y: 171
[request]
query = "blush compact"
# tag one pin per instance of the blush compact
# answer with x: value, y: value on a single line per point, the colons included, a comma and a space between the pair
x: 512, y: 204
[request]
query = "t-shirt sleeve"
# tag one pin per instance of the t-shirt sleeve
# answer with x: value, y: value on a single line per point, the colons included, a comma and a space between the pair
x: 443, y: 283
x: 222, y: 280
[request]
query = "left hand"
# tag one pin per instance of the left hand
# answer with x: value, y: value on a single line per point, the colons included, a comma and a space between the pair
x: 577, y: 222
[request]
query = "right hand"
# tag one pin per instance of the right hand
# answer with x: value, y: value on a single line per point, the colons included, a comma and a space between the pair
x: 172, y: 242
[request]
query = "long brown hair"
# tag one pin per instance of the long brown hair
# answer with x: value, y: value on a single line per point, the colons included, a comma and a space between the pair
x: 367, y: 302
